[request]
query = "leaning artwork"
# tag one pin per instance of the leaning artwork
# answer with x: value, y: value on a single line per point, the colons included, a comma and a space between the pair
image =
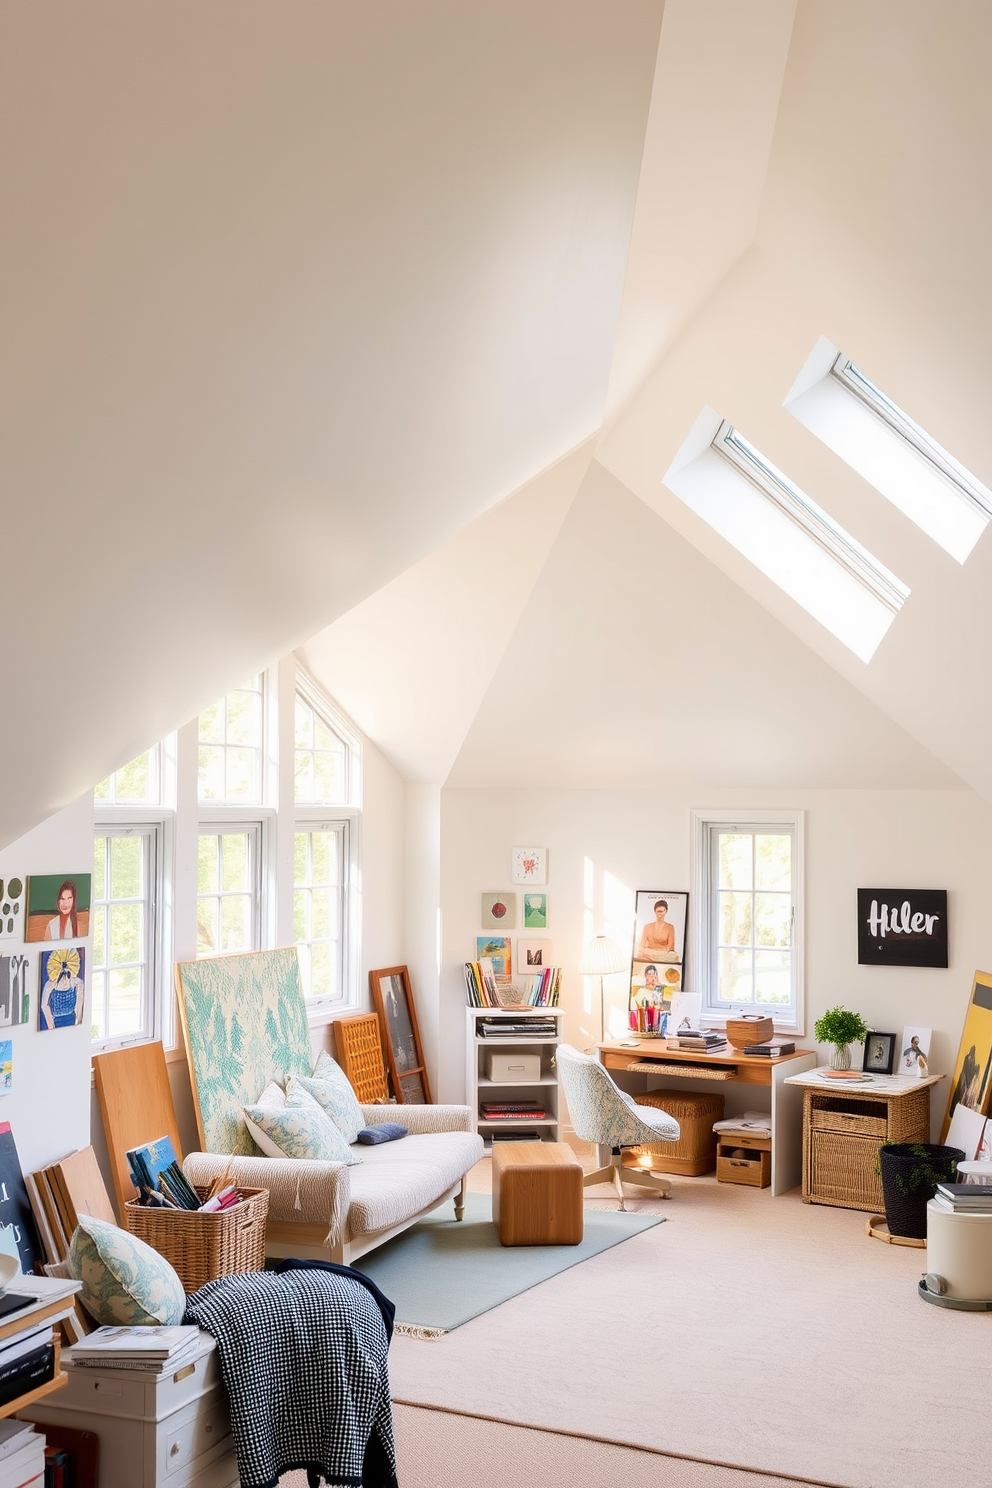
x: 970, y: 1082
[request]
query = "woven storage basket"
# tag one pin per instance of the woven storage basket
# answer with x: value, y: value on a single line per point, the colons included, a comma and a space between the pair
x: 202, y: 1247
x: 695, y: 1150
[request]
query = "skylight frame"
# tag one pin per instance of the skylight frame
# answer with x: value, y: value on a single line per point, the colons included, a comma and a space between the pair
x: 845, y: 550
x: 964, y: 485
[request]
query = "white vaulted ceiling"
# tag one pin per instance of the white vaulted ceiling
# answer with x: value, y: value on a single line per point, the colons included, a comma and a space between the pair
x: 373, y: 330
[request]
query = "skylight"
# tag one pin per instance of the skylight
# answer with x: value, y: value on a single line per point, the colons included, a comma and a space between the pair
x: 794, y: 542
x: 844, y: 408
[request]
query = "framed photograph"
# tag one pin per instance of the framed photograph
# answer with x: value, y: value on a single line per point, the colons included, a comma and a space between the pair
x: 63, y: 988
x: 499, y: 911
x: 401, y: 1046
x: 529, y: 865
x: 913, y: 1046
x: 495, y: 948
x: 970, y: 1080
x: 880, y: 1053
x: 533, y: 956
x: 58, y: 906
x: 535, y: 911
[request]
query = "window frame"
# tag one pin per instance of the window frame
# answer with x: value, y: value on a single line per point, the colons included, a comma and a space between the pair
x: 237, y: 821
x: 116, y: 821
x: 704, y: 825
x: 343, y: 825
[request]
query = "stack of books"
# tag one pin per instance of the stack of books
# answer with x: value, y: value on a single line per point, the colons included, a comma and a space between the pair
x: 516, y: 1028
x: 483, y: 986
x: 156, y: 1174
x: 512, y: 1111
x: 150, y: 1350
x: 22, y: 1455
x: 695, y: 1038
x: 772, y: 1047
x: 965, y: 1198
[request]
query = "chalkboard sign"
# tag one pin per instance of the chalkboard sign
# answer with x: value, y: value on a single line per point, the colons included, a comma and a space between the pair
x: 902, y: 927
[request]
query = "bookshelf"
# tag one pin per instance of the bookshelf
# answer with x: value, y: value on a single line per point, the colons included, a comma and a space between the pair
x: 506, y: 1085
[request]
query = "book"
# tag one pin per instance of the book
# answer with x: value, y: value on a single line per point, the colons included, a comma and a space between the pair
x: 109, y: 1344
x: 26, y: 1466
x: 15, y: 1206
x: 27, y: 1373
x: 155, y: 1170
x: 772, y: 1048
x: 13, y: 1436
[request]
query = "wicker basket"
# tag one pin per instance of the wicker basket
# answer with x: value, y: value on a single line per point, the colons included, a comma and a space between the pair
x: 695, y: 1150
x: 202, y: 1247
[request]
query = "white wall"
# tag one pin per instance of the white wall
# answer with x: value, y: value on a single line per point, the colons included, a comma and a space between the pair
x: 603, y: 845
x: 48, y: 1107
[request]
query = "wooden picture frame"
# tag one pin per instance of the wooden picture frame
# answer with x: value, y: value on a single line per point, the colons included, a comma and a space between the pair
x: 401, y: 1046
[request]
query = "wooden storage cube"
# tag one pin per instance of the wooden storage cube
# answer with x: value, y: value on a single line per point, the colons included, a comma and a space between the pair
x: 537, y: 1193
x: 695, y: 1151
x: 753, y: 1168
x: 841, y: 1170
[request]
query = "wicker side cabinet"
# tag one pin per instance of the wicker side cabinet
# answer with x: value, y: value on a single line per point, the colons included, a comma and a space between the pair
x: 843, y: 1130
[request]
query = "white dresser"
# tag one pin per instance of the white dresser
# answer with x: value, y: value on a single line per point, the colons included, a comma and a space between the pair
x: 154, y: 1429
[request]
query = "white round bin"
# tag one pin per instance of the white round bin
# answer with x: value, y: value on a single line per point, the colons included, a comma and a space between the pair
x: 959, y: 1254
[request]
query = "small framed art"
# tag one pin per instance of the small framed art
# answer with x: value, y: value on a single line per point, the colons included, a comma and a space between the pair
x: 497, y: 949
x: 880, y: 1053
x: 535, y: 911
x: 532, y: 956
x: 499, y: 911
x: 529, y: 865
x: 401, y: 1046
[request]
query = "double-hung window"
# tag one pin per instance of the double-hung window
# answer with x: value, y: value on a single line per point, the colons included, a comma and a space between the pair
x: 748, y: 930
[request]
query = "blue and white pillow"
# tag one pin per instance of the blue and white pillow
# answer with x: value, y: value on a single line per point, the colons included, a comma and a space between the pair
x: 299, y: 1129
x: 330, y: 1088
x: 124, y: 1280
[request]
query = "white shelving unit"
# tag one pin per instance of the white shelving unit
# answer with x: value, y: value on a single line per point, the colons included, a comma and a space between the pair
x: 479, y: 1087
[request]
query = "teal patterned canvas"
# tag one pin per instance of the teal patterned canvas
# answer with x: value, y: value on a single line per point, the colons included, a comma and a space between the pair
x: 246, y: 1024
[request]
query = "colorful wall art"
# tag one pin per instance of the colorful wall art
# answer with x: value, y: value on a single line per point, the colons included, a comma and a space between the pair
x: 63, y: 987
x: 11, y: 907
x: 58, y: 906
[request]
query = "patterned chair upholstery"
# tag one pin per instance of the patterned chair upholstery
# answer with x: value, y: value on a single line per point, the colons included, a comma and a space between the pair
x: 604, y: 1114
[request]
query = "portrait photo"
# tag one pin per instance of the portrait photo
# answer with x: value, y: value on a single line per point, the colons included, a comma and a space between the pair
x: 913, y: 1046
x: 659, y: 926
x: 58, y: 906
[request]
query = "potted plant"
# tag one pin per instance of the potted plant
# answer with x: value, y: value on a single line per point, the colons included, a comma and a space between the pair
x: 841, y: 1028
x: 910, y: 1173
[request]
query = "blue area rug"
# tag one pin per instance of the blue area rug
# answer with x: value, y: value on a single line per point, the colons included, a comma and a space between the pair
x: 441, y: 1273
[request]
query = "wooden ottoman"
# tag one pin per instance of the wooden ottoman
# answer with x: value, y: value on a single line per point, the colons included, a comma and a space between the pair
x: 537, y: 1193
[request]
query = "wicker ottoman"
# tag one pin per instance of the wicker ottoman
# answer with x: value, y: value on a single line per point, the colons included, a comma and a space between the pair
x: 695, y: 1150
x: 537, y: 1193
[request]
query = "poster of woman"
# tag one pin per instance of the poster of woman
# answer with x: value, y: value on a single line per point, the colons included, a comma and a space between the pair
x: 58, y: 907
x: 63, y: 988
x: 658, y: 955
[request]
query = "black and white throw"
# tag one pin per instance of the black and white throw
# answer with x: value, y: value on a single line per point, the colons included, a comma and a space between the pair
x: 304, y: 1359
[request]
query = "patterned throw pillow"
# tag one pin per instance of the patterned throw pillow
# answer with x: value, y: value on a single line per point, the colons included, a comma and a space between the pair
x: 124, y: 1280
x: 299, y: 1129
x: 330, y: 1088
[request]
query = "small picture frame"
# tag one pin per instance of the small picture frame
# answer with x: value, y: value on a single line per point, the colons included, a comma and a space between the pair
x: 532, y: 957
x: 880, y: 1053
x: 535, y: 911
x: 529, y: 865
x: 499, y: 911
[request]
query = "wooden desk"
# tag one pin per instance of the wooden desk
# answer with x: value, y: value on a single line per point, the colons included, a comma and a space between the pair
x: 650, y: 1057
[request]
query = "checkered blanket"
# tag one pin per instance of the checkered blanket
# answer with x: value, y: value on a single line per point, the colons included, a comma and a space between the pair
x: 303, y: 1356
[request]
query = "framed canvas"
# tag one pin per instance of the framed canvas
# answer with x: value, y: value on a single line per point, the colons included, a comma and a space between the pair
x: 497, y: 949
x: 58, y: 907
x: 401, y: 1046
x: 62, y: 988
x: 499, y: 911
x: 970, y: 1080
x: 902, y: 927
x: 535, y: 911
x: 529, y: 865
x: 11, y: 907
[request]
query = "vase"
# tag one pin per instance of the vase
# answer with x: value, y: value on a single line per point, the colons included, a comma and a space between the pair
x: 840, y: 1056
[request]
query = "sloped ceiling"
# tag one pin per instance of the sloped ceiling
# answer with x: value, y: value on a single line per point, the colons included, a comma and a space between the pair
x: 288, y: 294
x: 293, y: 296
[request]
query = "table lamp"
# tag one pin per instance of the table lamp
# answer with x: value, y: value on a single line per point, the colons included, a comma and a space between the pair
x: 602, y: 957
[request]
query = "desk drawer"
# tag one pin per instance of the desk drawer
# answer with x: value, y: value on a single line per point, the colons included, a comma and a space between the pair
x: 851, y: 1121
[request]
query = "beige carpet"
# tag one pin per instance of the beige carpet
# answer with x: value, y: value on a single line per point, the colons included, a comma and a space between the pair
x: 756, y: 1332
x: 439, y: 1449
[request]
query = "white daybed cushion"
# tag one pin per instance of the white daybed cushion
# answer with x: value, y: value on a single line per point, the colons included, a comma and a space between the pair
x: 398, y: 1179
